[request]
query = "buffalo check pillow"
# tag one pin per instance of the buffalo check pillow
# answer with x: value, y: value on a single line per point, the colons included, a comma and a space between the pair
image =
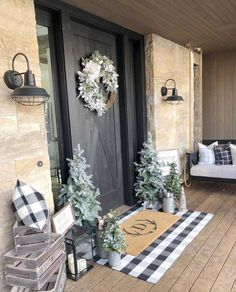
x: 206, y: 153
x: 223, y: 155
x: 29, y: 206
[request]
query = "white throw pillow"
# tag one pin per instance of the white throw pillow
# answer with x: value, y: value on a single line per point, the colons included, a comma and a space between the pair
x: 233, y: 153
x: 206, y: 153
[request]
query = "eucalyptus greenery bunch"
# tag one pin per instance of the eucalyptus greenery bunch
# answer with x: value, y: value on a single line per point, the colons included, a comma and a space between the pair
x: 149, y: 185
x: 80, y: 191
x: 113, y: 238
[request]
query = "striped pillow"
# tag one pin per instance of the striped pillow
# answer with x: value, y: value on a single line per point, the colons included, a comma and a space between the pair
x: 206, y: 153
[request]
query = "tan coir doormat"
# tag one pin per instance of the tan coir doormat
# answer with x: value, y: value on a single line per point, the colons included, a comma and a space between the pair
x: 144, y: 227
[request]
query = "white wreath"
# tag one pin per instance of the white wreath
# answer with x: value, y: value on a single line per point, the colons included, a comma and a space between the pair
x: 98, y: 70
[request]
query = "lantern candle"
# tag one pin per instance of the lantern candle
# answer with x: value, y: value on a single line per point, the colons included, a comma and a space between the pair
x: 81, y: 264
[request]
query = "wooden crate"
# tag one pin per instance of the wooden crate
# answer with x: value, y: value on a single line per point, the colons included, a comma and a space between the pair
x: 35, y: 269
x: 56, y: 283
x: 28, y: 239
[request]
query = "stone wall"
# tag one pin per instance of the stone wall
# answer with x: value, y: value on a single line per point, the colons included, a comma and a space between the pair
x: 197, y: 127
x: 22, y: 130
x: 172, y: 126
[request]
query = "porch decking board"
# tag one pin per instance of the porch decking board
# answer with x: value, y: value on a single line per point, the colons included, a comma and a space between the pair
x: 191, y: 273
x: 141, y: 286
x: 109, y: 282
x: 125, y: 284
x: 90, y: 280
x: 212, y: 269
x: 207, y: 264
x: 195, y: 198
x: 226, y: 278
x: 219, y: 209
x: 234, y: 287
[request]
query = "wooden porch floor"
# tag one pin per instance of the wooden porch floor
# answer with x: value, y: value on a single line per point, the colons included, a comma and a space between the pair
x: 207, y: 264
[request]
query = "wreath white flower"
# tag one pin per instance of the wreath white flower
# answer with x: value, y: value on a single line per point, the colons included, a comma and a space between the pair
x: 97, y: 81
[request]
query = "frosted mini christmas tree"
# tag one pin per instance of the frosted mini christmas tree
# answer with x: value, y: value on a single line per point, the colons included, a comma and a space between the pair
x: 149, y: 181
x: 80, y: 191
x: 173, y: 181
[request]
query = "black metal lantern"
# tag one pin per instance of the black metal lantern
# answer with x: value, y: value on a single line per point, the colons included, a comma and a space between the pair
x: 174, y: 98
x: 80, y: 251
x: 28, y: 94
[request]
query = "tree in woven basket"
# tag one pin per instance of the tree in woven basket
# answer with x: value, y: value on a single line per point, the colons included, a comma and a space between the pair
x: 80, y: 191
x: 149, y: 184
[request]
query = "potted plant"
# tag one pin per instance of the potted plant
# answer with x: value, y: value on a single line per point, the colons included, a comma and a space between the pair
x: 113, y: 240
x: 149, y: 184
x: 172, y: 186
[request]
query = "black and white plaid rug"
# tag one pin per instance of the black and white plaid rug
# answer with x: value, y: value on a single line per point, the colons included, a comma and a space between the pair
x: 152, y: 263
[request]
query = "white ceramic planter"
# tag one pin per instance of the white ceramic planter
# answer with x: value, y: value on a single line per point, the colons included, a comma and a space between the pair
x: 114, y: 259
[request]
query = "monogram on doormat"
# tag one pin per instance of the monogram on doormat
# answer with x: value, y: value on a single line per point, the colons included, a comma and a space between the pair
x: 152, y: 263
x: 144, y: 227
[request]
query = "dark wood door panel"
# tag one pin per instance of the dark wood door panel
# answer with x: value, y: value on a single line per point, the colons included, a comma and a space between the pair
x: 98, y: 136
x: 107, y: 38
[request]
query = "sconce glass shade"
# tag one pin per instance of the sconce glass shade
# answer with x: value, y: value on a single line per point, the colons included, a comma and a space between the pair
x: 29, y: 94
x: 174, y: 98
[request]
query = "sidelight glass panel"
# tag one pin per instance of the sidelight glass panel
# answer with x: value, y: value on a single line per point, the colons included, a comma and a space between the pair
x: 49, y: 108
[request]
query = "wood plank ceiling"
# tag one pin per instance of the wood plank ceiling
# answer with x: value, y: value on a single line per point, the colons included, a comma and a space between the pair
x: 209, y: 24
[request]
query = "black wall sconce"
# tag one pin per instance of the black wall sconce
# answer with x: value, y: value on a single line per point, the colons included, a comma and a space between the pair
x: 174, y: 98
x: 28, y: 94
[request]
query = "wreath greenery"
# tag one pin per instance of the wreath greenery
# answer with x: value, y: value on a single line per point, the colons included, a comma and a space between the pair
x: 97, y: 82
